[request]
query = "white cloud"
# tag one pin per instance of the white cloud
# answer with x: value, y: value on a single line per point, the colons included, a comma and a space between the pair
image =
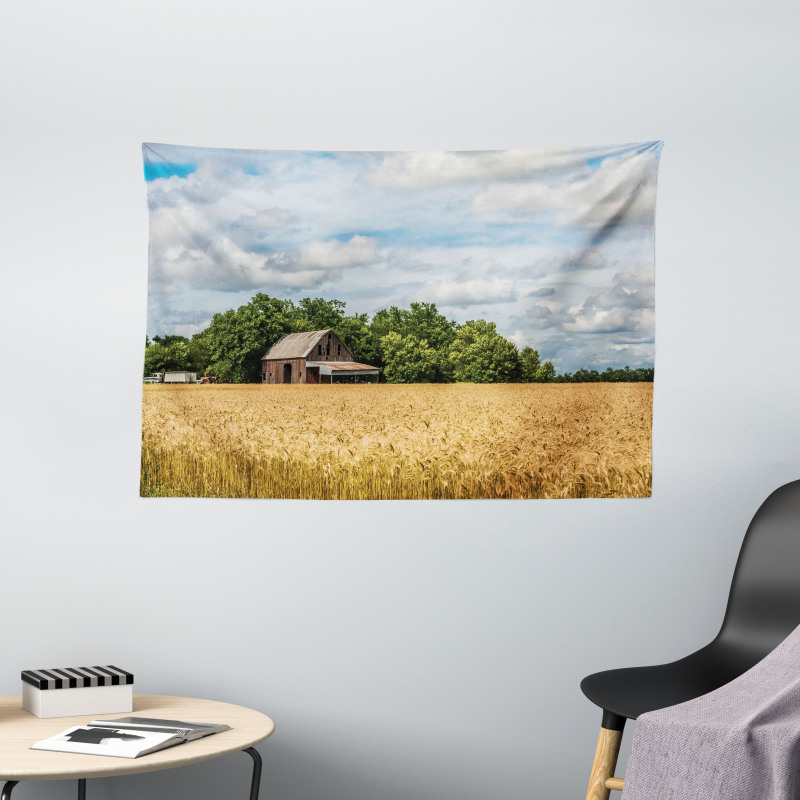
x: 407, y: 259
x: 185, y: 256
x: 486, y: 268
x: 571, y: 352
x: 301, y: 279
x: 544, y: 316
x: 586, y: 259
x: 270, y: 218
x: 462, y: 293
x: 468, y: 231
x: 562, y: 262
x: 592, y: 319
x: 519, y: 339
x: 431, y: 168
x: 334, y: 254
x: 621, y: 189
x: 628, y: 306
x: 220, y: 264
x: 635, y: 278
x: 210, y: 182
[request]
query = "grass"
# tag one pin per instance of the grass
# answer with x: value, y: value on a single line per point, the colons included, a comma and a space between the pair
x: 393, y: 442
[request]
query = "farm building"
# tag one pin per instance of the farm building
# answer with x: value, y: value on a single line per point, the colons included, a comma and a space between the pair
x: 313, y: 357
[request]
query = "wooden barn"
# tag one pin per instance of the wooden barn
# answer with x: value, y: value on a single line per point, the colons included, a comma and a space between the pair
x: 313, y: 357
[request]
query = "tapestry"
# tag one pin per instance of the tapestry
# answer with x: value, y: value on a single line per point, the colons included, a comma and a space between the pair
x: 399, y: 325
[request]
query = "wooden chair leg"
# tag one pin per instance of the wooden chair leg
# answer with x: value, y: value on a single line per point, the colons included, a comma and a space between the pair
x: 605, y: 761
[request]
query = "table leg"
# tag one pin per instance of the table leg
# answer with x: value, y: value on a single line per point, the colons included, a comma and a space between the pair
x: 256, y: 781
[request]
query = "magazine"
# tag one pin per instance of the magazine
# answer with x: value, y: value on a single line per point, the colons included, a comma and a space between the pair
x: 127, y: 737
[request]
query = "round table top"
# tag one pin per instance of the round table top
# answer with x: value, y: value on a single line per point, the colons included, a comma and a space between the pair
x: 19, y: 729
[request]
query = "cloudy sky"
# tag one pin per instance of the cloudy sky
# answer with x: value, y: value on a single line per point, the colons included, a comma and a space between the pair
x: 554, y: 246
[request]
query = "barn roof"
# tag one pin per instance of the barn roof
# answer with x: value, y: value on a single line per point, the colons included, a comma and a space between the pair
x: 295, y: 345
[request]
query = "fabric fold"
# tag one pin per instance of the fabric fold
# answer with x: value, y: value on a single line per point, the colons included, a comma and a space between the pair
x: 739, y: 742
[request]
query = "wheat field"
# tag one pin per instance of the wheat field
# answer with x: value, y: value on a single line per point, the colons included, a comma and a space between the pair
x: 388, y: 442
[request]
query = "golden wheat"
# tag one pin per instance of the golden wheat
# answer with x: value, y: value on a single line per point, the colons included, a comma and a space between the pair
x: 392, y: 442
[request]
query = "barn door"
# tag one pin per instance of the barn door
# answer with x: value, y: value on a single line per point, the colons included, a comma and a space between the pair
x: 287, y: 373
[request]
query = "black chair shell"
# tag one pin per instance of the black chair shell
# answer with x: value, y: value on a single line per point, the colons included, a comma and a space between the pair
x: 763, y: 609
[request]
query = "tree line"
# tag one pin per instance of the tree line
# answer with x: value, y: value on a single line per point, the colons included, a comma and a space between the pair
x: 413, y: 345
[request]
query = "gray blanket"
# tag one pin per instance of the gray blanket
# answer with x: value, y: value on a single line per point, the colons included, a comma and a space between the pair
x: 740, y: 742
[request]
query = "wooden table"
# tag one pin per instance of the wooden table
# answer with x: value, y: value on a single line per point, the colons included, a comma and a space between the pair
x: 19, y: 729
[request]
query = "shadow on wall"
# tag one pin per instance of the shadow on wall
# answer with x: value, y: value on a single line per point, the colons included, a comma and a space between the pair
x: 337, y: 768
x: 287, y: 774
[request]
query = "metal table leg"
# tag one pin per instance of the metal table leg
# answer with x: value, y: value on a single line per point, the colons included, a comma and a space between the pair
x: 256, y: 781
x: 9, y: 785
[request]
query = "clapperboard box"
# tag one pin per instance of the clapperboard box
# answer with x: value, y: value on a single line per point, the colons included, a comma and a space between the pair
x: 73, y: 691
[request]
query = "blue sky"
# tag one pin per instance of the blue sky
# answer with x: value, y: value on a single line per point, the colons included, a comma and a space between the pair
x: 554, y: 246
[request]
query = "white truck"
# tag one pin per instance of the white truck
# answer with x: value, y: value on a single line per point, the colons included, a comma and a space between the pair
x: 180, y: 377
x: 172, y: 377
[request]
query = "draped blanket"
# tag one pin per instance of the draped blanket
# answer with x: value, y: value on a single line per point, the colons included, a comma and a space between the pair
x: 740, y: 742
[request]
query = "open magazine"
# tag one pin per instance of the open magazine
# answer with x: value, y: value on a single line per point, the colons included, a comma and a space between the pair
x: 127, y: 737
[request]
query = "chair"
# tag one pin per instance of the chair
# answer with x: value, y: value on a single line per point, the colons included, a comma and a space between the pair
x: 763, y: 609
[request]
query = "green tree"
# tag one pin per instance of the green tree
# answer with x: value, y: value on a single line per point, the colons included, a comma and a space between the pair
x: 611, y: 375
x: 408, y: 359
x: 384, y: 322
x: 546, y: 373
x: 167, y: 353
x: 155, y: 358
x: 479, y: 354
x: 319, y: 314
x: 584, y: 375
x: 356, y: 334
x: 425, y: 322
x: 388, y: 320
x: 422, y: 322
x: 171, y: 339
x: 178, y: 355
x: 199, y: 354
x: 237, y: 340
x: 417, y: 344
x: 529, y: 364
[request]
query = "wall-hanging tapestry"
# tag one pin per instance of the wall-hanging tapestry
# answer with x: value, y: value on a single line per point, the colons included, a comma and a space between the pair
x: 399, y: 325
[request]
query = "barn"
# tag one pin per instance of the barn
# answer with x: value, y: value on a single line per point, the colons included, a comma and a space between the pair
x: 314, y: 357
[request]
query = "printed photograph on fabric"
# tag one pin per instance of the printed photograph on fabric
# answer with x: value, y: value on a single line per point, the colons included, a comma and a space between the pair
x: 399, y: 325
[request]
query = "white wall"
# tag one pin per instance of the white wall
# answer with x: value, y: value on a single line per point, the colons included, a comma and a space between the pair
x: 416, y: 649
